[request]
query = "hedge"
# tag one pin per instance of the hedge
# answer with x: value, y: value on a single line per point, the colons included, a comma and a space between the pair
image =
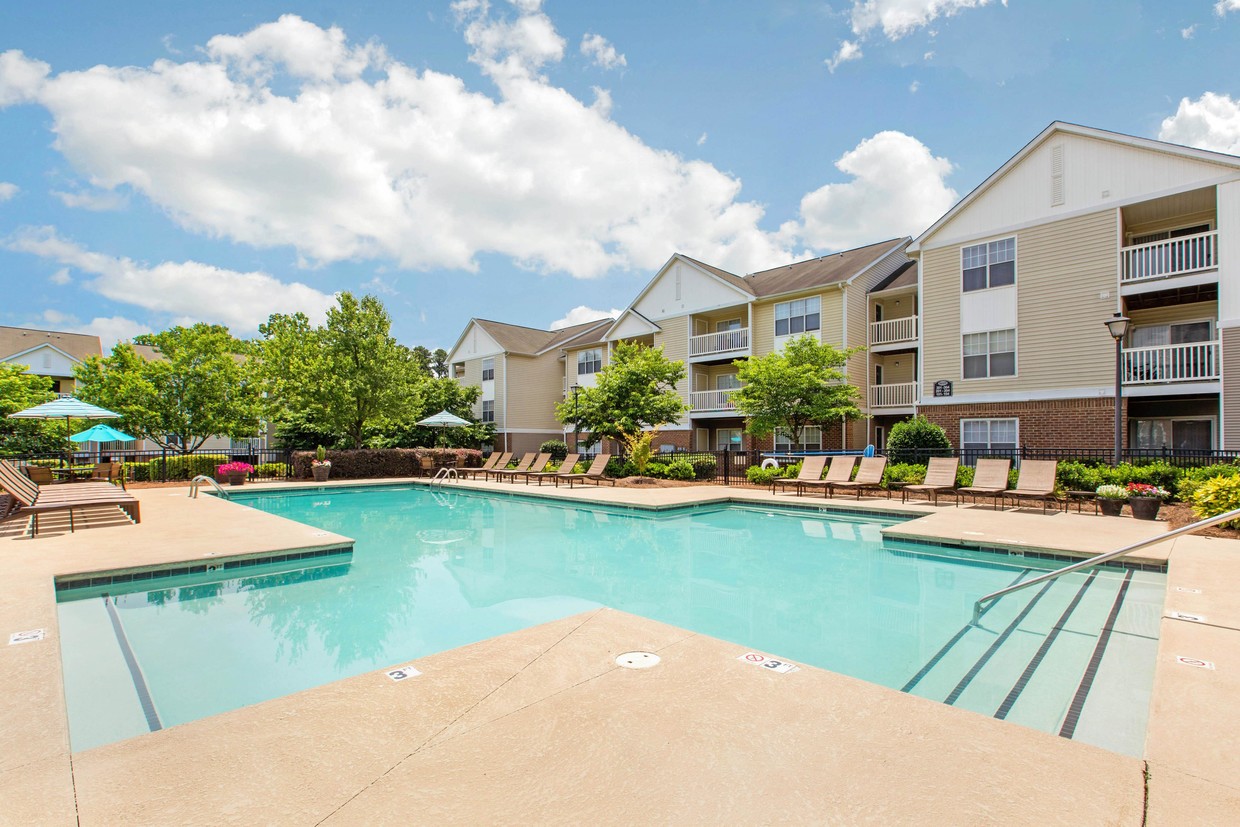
x: 369, y: 463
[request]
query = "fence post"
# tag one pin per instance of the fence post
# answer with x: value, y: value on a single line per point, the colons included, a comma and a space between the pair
x: 163, y: 465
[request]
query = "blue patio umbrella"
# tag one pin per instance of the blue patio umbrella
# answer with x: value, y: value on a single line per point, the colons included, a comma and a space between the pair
x: 102, y: 433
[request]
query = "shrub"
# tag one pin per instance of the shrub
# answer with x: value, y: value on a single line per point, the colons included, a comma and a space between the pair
x: 704, y: 468
x: 793, y: 470
x: 762, y: 476
x: 964, y: 476
x: 270, y: 469
x: 908, y: 472
x: 913, y: 440
x: 618, y: 468
x: 656, y: 469
x: 1079, y: 476
x: 557, y: 448
x: 370, y: 463
x: 1192, y: 478
x: 681, y: 469
x: 1217, y: 496
x: 1111, y: 492
x: 178, y: 467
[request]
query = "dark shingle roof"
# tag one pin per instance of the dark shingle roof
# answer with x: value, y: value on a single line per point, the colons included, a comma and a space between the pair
x: 530, y: 340
x: 904, y: 276
x: 817, y: 272
x: 15, y: 340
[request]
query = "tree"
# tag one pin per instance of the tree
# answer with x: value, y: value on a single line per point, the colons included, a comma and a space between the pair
x: 635, y: 392
x: 20, y: 390
x: 430, y: 397
x: 799, y: 386
x: 423, y: 359
x: 198, y: 384
x: 439, y: 363
x: 917, y: 439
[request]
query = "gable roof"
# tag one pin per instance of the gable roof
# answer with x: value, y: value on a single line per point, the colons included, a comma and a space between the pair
x: 77, y: 346
x: 903, y: 276
x: 836, y: 268
x: 1056, y: 127
x: 730, y: 278
x: 530, y: 341
x: 629, y: 312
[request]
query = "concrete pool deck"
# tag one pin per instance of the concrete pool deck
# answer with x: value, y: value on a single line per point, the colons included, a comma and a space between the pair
x: 541, y: 726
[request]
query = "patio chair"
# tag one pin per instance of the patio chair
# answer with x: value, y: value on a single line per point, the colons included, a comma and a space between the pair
x: 811, y: 471
x: 566, y: 468
x: 59, y: 498
x: 537, y: 466
x: 990, y: 478
x: 1036, y: 482
x: 869, y: 477
x: 940, y: 477
x: 39, y: 475
x: 496, y: 460
x: 523, y: 465
x: 840, y: 471
x: 109, y: 472
x: 593, y: 474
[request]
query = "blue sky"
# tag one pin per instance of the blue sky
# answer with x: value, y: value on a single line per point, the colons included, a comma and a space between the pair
x: 533, y: 162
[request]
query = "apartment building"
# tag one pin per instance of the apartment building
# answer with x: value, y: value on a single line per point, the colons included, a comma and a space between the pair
x: 521, y: 371
x: 1016, y: 282
x: 48, y: 353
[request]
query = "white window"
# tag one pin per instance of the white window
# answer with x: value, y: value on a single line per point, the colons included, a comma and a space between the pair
x: 488, y: 369
x: 979, y: 437
x: 1176, y: 434
x: 811, y: 440
x: 990, y: 354
x: 727, y: 381
x: 1172, y: 334
x: 800, y: 316
x: 725, y: 326
x: 989, y: 265
x: 488, y: 410
x: 728, y: 439
x: 589, y: 361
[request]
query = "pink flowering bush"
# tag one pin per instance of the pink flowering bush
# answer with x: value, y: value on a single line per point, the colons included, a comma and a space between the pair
x: 1141, y: 489
x: 235, y: 468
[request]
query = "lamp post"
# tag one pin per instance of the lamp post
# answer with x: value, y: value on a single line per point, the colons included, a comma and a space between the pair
x: 1118, y: 327
x: 576, y: 389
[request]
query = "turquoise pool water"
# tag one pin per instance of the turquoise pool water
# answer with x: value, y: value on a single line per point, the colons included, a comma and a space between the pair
x: 435, y: 570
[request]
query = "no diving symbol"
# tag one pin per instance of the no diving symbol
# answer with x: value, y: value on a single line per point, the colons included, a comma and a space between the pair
x: 754, y: 657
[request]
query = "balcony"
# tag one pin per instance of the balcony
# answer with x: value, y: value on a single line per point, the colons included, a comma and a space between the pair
x: 893, y: 331
x: 725, y: 341
x: 705, y: 401
x: 1193, y: 362
x: 899, y: 395
x: 1169, y: 257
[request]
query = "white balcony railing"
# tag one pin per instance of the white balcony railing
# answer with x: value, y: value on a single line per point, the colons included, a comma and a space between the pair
x: 725, y: 341
x: 1194, y: 362
x: 1170, y: 257
x: 712, y: 400
x: 891, y: 331
x: 900, y: 395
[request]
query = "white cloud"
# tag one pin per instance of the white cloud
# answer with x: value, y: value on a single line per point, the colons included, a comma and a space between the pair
x: 1210, y: 122
x: 914, y: 86
x: 187, y: 291
x: 61, y: 277
x: 96, y: 200
x: 596, y: 47
x: 109, y: 329
x: 928, y: 56
x: 898, y: 188
x: 7, y: 190
x: 701, y: 139
x: 291, y: 135
x: 1223, y: 6
x: 898, y: 18
x: 582, y: 314
x: 1188, y: 33
x: 849, y: 50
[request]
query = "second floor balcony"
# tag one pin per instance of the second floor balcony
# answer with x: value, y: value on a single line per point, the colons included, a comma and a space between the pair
x: 709, y: 345
x: 893, y: 331
x: 898, y: 395
x: 719, y: 400
x: 1169, y: 257
x: 1191, y: 362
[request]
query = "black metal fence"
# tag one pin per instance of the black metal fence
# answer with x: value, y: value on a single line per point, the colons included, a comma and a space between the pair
x: 170, y: 466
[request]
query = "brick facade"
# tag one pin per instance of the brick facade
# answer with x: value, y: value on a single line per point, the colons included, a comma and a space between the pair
x: 1055, y: 423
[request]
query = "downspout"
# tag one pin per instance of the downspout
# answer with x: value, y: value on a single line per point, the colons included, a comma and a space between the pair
x: 505, y: 355
x: 844, y: 310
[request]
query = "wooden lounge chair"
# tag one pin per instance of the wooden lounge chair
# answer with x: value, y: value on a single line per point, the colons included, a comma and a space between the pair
x: 811, y: 471
x: 869, y: 477
x: 840, y: 471
x: 990, y: 478
x: 566, y: 468
x: 593, y: 474
x: 524, y: 465
x: 940, y: 477
x: 59, y: 498
x: 496, y: 460
x: 539, y: 464
x: 1036, y: 482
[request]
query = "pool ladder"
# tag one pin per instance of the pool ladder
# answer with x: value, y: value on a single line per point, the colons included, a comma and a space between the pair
x: 444, y: 475
x: 201, y: 478
x: 1102, y: 558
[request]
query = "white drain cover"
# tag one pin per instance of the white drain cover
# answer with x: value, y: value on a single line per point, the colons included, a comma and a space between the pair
x: 637, y: 660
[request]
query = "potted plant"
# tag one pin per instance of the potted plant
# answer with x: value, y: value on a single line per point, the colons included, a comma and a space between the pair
x: 235, y: 471
x: 1111, y: 499
x: 1144, y: 500
x: 320, y: 466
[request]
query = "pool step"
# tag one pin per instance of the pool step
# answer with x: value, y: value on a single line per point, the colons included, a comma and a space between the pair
x: 1044, y: 656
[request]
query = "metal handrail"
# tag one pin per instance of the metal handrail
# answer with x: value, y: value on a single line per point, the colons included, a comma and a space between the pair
x: 201, y: 478
x: 445, y: 474
x: 1102, y: 558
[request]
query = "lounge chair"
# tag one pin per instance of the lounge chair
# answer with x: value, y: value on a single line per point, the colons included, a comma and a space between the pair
x: 108, y: 472
x: 39, y: 475
x: 496, y: 460
x: 1036, y: 482
x: 869, y: 477
x: 811, y: 471
x: 990, y: 478
x: 523, y: 465
x: 537, y: 466
x: 27, y: 497
x: 940, y: 477
x: 566, y: 468
x: 593, y: 474
x: 840, y: 471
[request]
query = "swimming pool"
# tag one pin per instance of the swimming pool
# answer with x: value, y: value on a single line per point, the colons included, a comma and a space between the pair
x: 434, y: 570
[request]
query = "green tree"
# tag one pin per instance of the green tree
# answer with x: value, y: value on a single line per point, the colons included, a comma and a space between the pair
x: 635, y: 392
x: 799, y: 386
x: 20, y: 390
x: 423, y: 359
x: 430, y: 397
x: 198, y: 384
x: 439, y: 363
x: 915, y: 440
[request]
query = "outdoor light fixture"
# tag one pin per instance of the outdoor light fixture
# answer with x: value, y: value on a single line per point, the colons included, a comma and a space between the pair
x: 1118, y: 327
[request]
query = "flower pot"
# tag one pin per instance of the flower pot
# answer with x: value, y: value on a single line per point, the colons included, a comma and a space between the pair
x: 1145, y: 508
x: 321, y: 472
x: 1110, y: 507
x: 236, y: 478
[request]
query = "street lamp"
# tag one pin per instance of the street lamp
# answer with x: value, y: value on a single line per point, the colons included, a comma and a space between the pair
x: 1118, y: 326
x: 576, y: 389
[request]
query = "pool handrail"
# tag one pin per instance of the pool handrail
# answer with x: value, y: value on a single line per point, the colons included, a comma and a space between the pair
x: 201, y: 478
x: 1102, y: 558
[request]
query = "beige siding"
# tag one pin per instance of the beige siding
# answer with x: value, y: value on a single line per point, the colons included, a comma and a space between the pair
x: 897, y: 367
x: 674, y: 339
x: 705, y: 322
x: 501, y: 408
x: 1230, y: 402
x: 473, y: 376
x: 857, y: 309
x: 570, y: 362
x: 763, y: 334
x: 1066, y: 285
x: 535, y: 386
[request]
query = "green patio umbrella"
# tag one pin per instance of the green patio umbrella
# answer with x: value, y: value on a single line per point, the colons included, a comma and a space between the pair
x: 444, y: 419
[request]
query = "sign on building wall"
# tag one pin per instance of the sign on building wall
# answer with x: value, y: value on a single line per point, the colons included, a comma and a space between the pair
x: 942, y: 388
